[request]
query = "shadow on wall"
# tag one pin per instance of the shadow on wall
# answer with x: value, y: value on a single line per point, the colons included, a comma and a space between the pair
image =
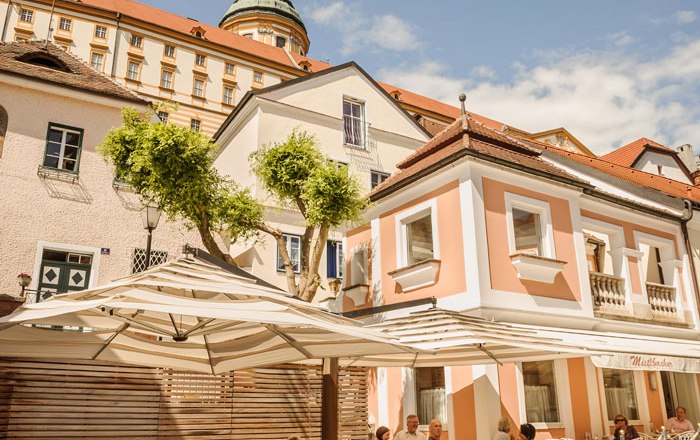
x: 67, y: 190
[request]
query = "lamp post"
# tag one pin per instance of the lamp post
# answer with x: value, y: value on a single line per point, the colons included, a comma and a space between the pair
x: 150, y: 215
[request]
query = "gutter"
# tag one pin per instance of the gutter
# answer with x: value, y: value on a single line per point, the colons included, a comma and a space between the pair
x: 7, y: 21
x: 689, y: 249
x: 115, y: 50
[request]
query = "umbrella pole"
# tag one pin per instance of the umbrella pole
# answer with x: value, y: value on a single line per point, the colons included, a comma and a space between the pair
x: 329, y: 400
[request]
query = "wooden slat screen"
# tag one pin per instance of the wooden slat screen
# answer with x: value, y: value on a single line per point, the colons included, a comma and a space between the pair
x: 91, y: 400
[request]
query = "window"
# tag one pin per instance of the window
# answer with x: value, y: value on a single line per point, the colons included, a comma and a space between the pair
x: 63, y: 146
x: 3, y: 127
x: 419, y: 239
x: 620, y: 393
x: 595, y: 253
x: 136, y: 41
x: 293, y: 245
x: 166, y: 79
x: 353, y: 123
x: 200, y: 60
x: 228, y: 96
x: 378, y: 177
x: 26, y: 15
x: 430, y: 393
x: 138, y: 259
x: 96, y: 60
x: 198, y: 87
x: 280, y: 42
x: 163, y: 116
x: 100, y: 31
x: 527, y: 227
x: 230, y: 69
x: 257, y: 77
x: 63, y: 272
x: 541, y: 404
x: 132, y: 70
x: 64, y: 24
x: 169, y: 51
x: 195, y: 124
x: 335, y: 259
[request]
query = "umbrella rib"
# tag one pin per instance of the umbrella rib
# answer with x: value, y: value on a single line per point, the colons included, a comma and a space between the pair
x: 110, y: 339
x: 488, y: 353
x: 142, y: 325
x: 201, y: 324
x: 211, y: 363
x: 172, y: 319
x: 291, y: 341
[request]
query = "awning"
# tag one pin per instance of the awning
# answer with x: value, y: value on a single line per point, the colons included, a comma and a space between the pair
x: 452, y: 338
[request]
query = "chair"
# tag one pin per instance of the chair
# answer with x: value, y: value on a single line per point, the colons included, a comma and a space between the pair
x: 688, y: 435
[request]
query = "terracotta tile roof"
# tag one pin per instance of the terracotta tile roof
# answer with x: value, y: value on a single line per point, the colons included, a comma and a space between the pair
x: 34, y: 58
x: 628, y: 154
x: 664, y: 184
x: 467, y: 136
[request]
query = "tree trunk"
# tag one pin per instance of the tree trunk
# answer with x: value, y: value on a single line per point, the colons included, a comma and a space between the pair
x: 315, y: 279
x: 288, y: 265
x: 209, y: 241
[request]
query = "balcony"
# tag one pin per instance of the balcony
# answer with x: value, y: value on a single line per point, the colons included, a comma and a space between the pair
x: 662, y: 300
x: 608, y: 292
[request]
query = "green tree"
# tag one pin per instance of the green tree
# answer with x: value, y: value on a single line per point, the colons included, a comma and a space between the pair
x: 172, y: 166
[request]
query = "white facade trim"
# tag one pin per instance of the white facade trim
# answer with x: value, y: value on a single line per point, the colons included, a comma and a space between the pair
x: 41, y: 245
x: 539, y: 207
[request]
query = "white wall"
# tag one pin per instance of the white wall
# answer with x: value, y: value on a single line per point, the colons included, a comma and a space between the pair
x: 650, y: 162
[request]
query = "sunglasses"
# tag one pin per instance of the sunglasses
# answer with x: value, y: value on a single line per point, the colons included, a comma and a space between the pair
x: 620, y: 420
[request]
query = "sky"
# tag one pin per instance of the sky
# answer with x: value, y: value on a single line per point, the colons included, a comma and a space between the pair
x: 609, y: 71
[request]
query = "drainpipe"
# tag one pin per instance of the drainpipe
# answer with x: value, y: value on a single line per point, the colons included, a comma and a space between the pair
x: 7, y: 21
x: 113, y: 75
x: 687, y: 216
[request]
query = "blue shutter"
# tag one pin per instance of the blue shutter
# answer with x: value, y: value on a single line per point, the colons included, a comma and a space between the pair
x: 331, y: 268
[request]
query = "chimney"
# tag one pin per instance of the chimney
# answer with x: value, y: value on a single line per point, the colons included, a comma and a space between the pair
x: 685, y: 153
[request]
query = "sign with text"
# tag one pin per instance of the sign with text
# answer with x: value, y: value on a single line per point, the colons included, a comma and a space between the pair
x: 647, y: 362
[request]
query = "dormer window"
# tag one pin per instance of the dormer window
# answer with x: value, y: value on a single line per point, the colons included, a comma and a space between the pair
x: 44, y: 60
x: 198, y: 32
x: 396, y: 95
x: 280, y: 42
x: 660, y: 170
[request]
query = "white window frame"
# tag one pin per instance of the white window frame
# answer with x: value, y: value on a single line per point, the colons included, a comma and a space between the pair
x: 339, y: 259
x: 130, y: 73
x: 100, y: 31
x: 99, y: 67
x: 64, y: 129
x: 641, y: 394
x: 169, y: 53
x: 26, y: 15
x: 537, y: 207
x: 196, y: 124
x: 163, y: 116
x: 64, y: 247
x: 382, y: 177
x: 258, y: 77
x: 230, y: 69
x: 62, y: 21
x: 288, y: 242
x: 136, y: 39
x: 403, y: 219
x: 228, y: 95
x: 200, y: 57
x: 561, y: 381
x: 198, y: 91
x: 363, y: 121
x: 166, y: 83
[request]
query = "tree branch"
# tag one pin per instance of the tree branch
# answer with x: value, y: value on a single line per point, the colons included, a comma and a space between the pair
x: 208, y: 239
x: 286, y: 259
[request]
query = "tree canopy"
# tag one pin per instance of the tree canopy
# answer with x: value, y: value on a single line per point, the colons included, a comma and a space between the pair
x: 172, y: 166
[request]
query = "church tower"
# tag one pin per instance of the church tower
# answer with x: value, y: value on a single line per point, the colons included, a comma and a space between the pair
x: 273, y: 22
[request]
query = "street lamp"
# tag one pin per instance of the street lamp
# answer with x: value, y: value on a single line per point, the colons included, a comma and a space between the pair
x: 150, y: 215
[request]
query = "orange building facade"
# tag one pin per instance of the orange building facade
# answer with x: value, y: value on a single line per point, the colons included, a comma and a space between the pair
x: 493, y: 227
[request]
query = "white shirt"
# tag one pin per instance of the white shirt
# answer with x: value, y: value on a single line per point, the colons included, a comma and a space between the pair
x: 404, y: 435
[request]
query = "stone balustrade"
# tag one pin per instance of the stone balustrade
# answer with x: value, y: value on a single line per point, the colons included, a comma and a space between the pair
x: 608, y: 291
x: 662, y: 299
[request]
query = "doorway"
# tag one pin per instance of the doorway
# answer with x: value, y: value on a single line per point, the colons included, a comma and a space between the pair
x: 681, y: 389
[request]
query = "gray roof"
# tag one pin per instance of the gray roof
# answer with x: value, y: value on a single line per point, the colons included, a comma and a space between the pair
x: 283, y: 8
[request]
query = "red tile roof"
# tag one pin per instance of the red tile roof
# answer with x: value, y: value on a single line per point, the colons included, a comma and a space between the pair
x: 628, y: 154
x: 467, y: 136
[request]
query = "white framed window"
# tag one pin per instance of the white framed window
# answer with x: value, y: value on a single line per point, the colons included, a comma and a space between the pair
x: 136, y: 41
x: 529, y: 226
x: 257, y: 77
x: 228, y: 96
x: 169, y: 51
x: 79, y: 257
x: 26, y: 15
x: 353, y: 123
x: 335, y: 259
x: 377, y: 177
x: 293, y: 245
x: 163, y: 116
x: 195, y: 124
x: 100, y: 31
x: 540, y: 388
x: 63, y: 145
x: 620, y: 389
x: 431, y: 399
x: 417, y: 231
x: 198, y: 87
x: 230, y: 69
x: 166, y: 79
x: 97, y: 61
x: 200, y: 60
x: 133, y: 70
x: 65, y: 24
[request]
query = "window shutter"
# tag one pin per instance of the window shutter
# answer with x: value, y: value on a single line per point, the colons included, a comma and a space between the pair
x: 331, y: 259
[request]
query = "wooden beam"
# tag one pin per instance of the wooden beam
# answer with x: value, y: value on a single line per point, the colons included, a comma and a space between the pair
x: 329, y: 400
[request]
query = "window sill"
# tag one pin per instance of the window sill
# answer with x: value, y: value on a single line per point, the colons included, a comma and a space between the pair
x: 357, y: 293
x: 536, y: 268
x: 170, y: 62
x: 65, y: 37
x: 165, y: 89
x: 229, y: 80
x: 99, y: 43
x: 200, y: 98
x: 133, y: 81
x: 135, y: 53
x: 418, y: 275
x: 545, y: 426
x: 121, y: 185
x: 57, y: 174
x: 355, y: 147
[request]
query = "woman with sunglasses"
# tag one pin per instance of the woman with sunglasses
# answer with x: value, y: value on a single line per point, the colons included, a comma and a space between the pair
x: 621, y: 424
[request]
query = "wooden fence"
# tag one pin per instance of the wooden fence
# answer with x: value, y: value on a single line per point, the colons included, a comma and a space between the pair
x: 91, y: 400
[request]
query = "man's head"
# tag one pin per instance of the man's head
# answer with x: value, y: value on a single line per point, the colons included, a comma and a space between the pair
x: 680, y: 413
x: 412, y: 423
x: 435, y: 428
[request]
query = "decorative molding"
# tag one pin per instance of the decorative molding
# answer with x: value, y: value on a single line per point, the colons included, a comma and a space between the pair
x: 535, y: 268
x: 418, y: 275
x: 357, y: 293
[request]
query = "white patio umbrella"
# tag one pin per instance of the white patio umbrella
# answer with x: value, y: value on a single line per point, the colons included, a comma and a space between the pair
x: 186, y: 314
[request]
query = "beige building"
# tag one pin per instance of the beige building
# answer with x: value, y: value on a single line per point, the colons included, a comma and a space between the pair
x: 65, y: 220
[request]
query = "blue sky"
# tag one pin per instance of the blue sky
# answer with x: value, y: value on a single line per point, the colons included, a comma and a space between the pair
x: 608, y: 71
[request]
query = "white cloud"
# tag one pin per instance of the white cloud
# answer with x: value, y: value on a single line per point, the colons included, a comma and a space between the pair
x: 604, y: 98
x: 484, y: 72
x: 685, y: 17
x: 621, y: 39
x: 327, y: 14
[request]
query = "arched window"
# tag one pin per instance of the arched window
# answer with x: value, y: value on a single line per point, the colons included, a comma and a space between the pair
x: 3, y: 127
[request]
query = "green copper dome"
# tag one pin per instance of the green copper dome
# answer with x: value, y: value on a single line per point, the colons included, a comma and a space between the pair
x: 283, y: 8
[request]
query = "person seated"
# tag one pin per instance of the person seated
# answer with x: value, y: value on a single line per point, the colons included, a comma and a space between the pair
x: 410, y: 433
x: 503, y: 429
x: 383, y: 433
x: 527, y: 432
x: 435, y: 430
x: 679, y: 423
x: 621, y: 424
